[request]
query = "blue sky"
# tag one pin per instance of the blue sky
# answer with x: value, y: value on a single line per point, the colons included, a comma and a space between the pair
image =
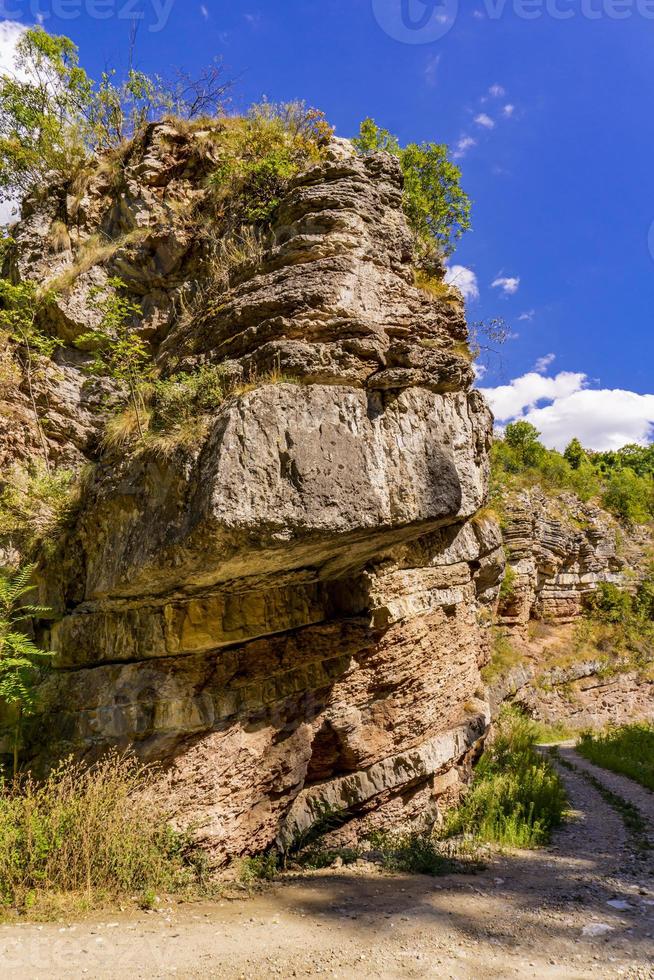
x: 552, y: 117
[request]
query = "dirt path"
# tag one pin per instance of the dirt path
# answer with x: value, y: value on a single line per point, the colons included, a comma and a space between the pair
x: 539, y: 914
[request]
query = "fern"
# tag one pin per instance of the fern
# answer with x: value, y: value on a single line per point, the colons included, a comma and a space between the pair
x: 20, y: 658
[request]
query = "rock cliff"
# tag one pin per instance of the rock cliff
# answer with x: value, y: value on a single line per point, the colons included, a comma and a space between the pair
x: 291, y: 611
x: 561, y: 668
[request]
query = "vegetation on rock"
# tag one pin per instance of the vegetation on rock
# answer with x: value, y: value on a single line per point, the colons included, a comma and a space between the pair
x: 437, y: 207
x: 622, y: 482
x: 90, y: 835
x: 20, y: 658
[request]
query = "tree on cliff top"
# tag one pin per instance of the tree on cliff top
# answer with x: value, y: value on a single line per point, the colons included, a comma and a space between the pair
x: 436, y: 206
x: 53, y: 115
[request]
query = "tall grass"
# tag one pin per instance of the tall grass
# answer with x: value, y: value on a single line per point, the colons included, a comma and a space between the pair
x: 99, y: 833
x: 628, y: 750
x: 516, y: 798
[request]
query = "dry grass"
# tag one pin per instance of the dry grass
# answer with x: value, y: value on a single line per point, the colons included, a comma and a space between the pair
x: 122, y: 429
x: 89, y: 835
x: 59, y: 236
x: 94, y: 251
x: 432, y: 285
x: 10, y: 370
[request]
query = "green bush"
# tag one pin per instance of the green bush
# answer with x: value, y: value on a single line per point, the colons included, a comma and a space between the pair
x: 628, y: 750
x: 258, y: 154
x: 516, y: 798
x: 519, y: 460
x: 186, y: 396
x: 101, y: 832
x: 437, y: 207
x: 629, y: 496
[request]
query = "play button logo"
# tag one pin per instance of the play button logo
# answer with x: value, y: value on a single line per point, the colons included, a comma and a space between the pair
x: 416, y: 21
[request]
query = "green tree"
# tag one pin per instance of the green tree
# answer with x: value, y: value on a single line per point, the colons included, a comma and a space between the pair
x: 437, y: 207
x: 629, y: 496
x: 524, y: 439
x: 20, y: 658
x: 119, y: 350
x: 40, y: 111
x: 53, y: 115
x: 575, y: 454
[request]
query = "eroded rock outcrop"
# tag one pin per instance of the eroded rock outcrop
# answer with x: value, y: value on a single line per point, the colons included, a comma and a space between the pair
x: 291, y: 614
x: 559, y: 550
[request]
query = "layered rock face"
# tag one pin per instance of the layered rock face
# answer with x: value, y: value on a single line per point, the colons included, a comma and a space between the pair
x: 559, y: 550
x: 292, y: 614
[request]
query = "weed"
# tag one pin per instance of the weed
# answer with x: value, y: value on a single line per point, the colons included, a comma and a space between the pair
x: 100, y: 832
x: 516, y: 798
x: 261, y: 867
x: 628, y: 750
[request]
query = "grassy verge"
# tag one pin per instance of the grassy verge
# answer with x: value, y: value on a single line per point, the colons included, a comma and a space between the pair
x: 628, y: 750
x: 89, y: 836
x: 516, y: 797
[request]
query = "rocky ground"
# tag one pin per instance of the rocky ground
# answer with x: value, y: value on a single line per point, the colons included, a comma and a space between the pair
x: 582, y: 908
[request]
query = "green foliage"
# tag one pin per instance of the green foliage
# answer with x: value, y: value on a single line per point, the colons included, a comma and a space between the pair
x: 628, y: 750
x: 258, y: 154
x: 507, y: 588
x: 103, y: 832
x: 261, y: 867
x: 53, y: 115
x: 19, y: 656
x: 413, y: 852
x: 20, y: 309
x: 611, y: 604
x: 575, y: 454
x: 504, y: 657
x: 119, y: 350
x: 34, y: 504
x: 186, y: 396
x: 40, y: 107
x: 437, y: 207
x: 520, y: 459
x: 629, y: 496
x: 516, y: 798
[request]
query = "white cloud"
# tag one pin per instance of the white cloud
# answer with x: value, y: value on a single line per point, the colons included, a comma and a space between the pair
x: 254, y: 20
x: 431, y: 69
x: 601, y: 418
x: 527, y: 315
x: 464, y: 144
x: 204, y: 11
x: 543, y: 363
x: 497, y: 91
x: 10, y: 33
x: 508, y: 110
x: 483, y: 120
x: 524, y: 393
x: 508, y: 284
x: 464, y: 279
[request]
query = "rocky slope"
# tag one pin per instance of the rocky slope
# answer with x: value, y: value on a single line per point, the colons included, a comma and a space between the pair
x: 558, y: 668
x: 290, y: 613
